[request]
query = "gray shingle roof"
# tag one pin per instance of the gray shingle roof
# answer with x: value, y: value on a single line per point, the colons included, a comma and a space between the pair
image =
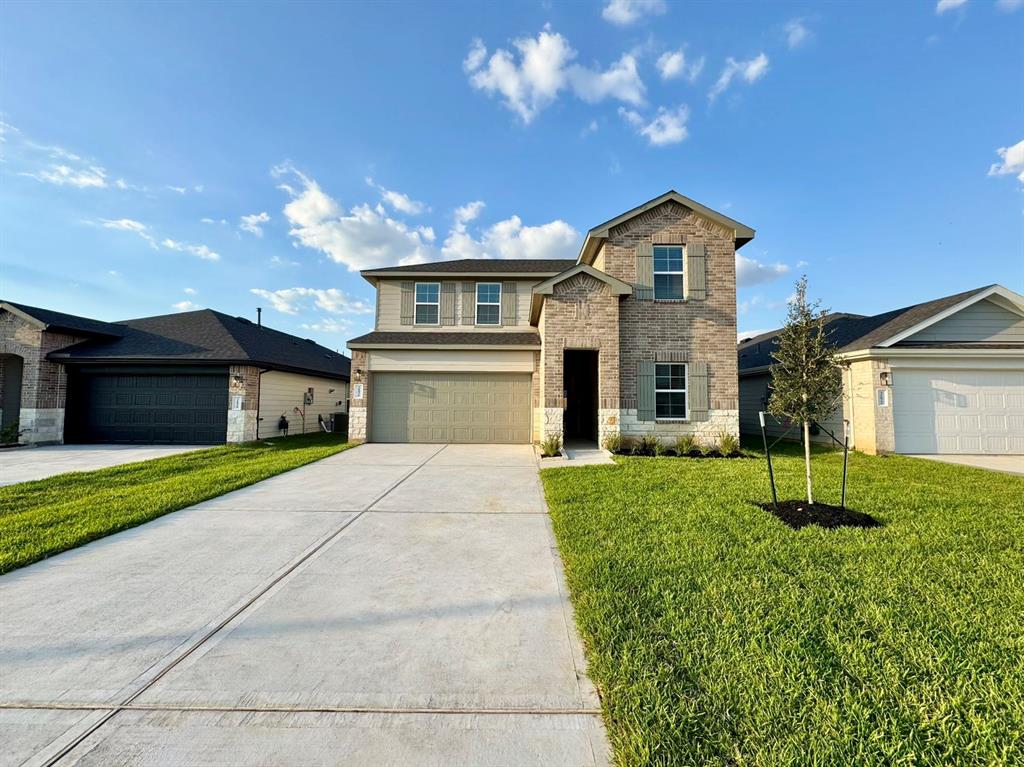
x: 59, y: 321
x: 854, y: 332
x: 486, y: 266
x: 448, y: 337
x: 208, y: 336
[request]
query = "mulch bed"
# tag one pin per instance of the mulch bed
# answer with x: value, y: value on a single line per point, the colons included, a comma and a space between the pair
x: 799, y: 514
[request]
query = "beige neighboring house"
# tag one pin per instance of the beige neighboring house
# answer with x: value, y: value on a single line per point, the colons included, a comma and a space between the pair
x: 635, y: 336
x: 941, y: 377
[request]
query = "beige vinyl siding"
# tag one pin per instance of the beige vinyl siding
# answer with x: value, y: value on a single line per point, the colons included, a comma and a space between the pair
x: 389, y: 306
x: 754, y: 398
x: 469, y: 360
x: 982, y: 322
x: 281, y: 393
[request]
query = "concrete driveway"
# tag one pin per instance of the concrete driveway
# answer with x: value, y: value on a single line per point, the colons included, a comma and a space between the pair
x: 23, y: 464
x: 390, y: 605
x: 1010, y: 464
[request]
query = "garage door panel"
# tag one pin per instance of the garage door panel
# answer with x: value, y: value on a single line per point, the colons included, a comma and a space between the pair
x: 958, y: 411
x: 452, y: 407
x: 144, y: 407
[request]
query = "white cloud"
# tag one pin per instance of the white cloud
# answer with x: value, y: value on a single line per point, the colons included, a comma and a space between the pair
x: 749, y: 71
x: 114, y: 273
x: 208, y: 220
x: 544, y: 69
x: 802, y: 264
x: 329, y: 325
x: 185, y: 306
x: 190, y: 291
x: 1012, y: 161
x: 1009, y: 6
x: 475, y: 58
x: 797, y: 33
x: 362, y: 237
x: 252, y: 223
x: 200, y: 251
x: 620, y: 81
x: 510, y: 239
x: 466, y: 213
x: 403, y: 203
x: 745, y: 334
x: 292, y: 300
x: 178, y: 189
x: 591, y: 127
x: 750, y: 271
x: 942, y: 6
x: 667, y: 127
x: 82, y: 177
x: 672, y: 65
x: 626, y: 12
x: 277, y: 261
x: 130, y: 225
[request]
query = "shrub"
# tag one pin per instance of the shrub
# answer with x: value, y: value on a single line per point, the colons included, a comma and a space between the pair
x: 709, y: 448
x: 9, y: 434
x: 648, y: 445
x: 550, y: 445
x: 686, y: 444
x: 614, y: 442
x: 728, y: 444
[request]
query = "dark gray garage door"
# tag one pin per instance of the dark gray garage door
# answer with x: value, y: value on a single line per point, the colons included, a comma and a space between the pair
x: 184, y: 407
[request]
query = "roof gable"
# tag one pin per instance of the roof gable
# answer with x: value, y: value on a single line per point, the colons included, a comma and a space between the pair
x: 615, y: 287
x: 742, y: 233
x: 47, y: 319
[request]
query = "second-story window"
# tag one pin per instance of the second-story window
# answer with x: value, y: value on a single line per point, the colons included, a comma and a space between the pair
x: 488, y: 303
x: 668, y: 272
x: 428, y: 303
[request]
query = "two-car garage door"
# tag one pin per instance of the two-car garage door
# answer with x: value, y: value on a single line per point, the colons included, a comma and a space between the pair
x: 450, y: 407
x: 959, y: 411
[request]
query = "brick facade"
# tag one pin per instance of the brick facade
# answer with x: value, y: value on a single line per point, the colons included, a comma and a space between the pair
x: 43, y: 383
x: 244, y: 382
x: 358, y: 408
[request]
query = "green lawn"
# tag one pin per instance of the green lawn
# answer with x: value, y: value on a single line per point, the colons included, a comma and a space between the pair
x: 717, y: 635
x: 43, y: 518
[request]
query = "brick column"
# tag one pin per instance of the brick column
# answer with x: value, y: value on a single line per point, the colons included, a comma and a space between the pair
x: 243, y: 402
x: 358, y: 420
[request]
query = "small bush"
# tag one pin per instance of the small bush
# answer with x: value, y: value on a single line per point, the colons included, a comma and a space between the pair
x: 9, y: 434
x: 686, y: 444
x: 728, y: 444
x: 648, y: 445
x: 709, y: 448
x: 551, y: 445
x: 614, y: 442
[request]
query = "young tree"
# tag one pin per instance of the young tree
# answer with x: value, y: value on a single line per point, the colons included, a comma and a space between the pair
x: 806, y: 379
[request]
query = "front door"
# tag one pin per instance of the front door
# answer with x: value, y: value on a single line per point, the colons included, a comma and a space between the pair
x: 579, y: 374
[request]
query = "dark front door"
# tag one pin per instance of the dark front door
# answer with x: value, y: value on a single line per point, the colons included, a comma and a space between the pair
x: 579, y: 372
x: 187, y: 407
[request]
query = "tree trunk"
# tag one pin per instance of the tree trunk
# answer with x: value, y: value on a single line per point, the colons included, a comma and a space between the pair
x: 807, y: 459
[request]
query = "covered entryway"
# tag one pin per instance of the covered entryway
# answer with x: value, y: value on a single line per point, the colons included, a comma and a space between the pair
x: 450, y: 407
x: 974, y: 412
x: 185, y: 405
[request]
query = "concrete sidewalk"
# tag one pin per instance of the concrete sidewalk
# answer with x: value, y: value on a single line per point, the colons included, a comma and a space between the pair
x: 24, y: 464
x: 390, y: 605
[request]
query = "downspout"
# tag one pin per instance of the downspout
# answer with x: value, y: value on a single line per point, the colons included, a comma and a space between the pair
x: 259, y: 396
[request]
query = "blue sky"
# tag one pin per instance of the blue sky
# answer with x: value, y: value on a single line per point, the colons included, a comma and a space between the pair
x: 162, y: 157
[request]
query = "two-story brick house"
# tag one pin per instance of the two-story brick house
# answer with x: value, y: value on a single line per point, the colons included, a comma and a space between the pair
x: 635, y: 336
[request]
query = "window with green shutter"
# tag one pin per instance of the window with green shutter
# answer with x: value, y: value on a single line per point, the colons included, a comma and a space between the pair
x: 670, y: 391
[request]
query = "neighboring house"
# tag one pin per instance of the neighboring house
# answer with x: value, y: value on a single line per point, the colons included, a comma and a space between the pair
x: 198, y: 377
x: 635, y: 336
x: 945, y: 376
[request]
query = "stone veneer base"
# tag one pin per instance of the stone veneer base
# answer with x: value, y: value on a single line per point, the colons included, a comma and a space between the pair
x: 41, y: 426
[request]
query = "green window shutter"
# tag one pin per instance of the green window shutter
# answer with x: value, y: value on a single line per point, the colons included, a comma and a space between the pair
x: 643, y: 288
x: 508, y: 303
x: 447, y: 303
x: 408, y: 290
x: 697, y: 390
x: 469, y: 303
x: 696, y: 272
x: 645, y: 399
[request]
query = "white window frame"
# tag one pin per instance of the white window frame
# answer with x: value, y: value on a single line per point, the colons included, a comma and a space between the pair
x: 685, y: 390
x: 681, y: 273
x: 478, y: 303
x: 416, y: 303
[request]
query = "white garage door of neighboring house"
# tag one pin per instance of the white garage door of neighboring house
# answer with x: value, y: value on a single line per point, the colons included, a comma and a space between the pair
x: 958, y: 411
x: 450, y: 407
